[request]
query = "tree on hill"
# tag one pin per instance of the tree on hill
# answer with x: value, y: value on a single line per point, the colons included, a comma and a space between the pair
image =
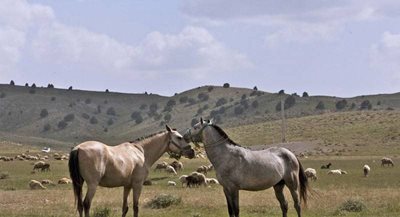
x: 289, y: 102
x: 254, y: 104
x: 46, y: 127
x: 226, y: 85
x: 255, y: 88
x: 153, y: 108
x: 210, y: 88
x: 33, y: 85
x: 143, y: 107
x: 320, y: 106
x: 69, y: 117
x: 70, y: 88
x: 107, y: 91
x: 44, y: 113
x: 137, y: 117
x: 62, y: 124
x: 341, y: 104
x: 183, y: 99
x: 221, y: 101
x: 281, y: 92
x: 366, y: 104
x: 26, y: 85
x: 12, y: 83
x: 111, y: 111
x: 305, y: 94
x: 238, y: 110
x: 93, y: 120
x: 203, y: 96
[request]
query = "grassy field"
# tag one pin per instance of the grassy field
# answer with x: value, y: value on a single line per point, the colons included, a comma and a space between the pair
x: 379, y: 192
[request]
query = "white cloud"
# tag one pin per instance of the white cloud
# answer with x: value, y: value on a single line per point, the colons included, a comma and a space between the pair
x: 385, y: 55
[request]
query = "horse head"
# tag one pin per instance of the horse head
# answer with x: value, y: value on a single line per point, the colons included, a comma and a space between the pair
x: 194, y: 134
x: 178, y: 145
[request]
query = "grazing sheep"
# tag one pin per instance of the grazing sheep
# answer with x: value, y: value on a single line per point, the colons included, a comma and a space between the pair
x: 47, y: 182
x: 183, y: 180
x: 311, y: 173
x: 366, y: 169
x: 387, y: 161
x: 202, y: 169
x: 33, y: 184
x: 196, y: 179
x: 46, y: 167
x: 326, y: 166
x: 38, y: 165
x: 63, y: 181
x: 161, y: 166
x: 177, y: 165
x: 171, y: 183
x: 335, y: 172
x: 210, y: 181
x: 170, y: 169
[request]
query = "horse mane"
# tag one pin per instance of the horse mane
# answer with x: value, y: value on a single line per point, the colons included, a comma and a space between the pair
x: 147, y: 137
x: 225, y: 136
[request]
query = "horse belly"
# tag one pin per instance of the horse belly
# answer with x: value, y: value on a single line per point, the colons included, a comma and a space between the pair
x: 257, y: 184
x: 115, y: 181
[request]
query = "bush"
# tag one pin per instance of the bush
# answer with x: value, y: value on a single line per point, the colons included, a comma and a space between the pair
x: 50, y: 86
x: 221, y: 101
x: 183, y: 99
x: 111, y: 111
x: 205, y: 107
x: 341, y: 104
x: 139, y: 120
x: 244, y: 96
x: 255, y: 88
x: 366, y: 104
x: 171, y: 103
x: 157, y: 116
x: 33, y: 85
x: 2, y: 95
x: 203, y: 96
x: 167, y: 117
x: 88, y: 101
x: 44, y: 113
x: 107, y: 91
x: 143, y: 107
x: 281, y: 92
x: 163, y: 201
x: 12, y: 83
x: 209, y: 89
x: 153, y: 107
x: 102, y: 212
x: 26, y: 85
x: 353, y: 106
x: 305, y: 94
x: 4, y: 175
x: 85, y: 116
x: 70, y: 88
x: 69, y: 117
x: 93, y: 120
x: 137, y: 117
x: 110, y: 122
x: 167, y: 109
x: 238, y: 110
x: 320, y: 106
x: 245, y: 104
x: 254, y: 104
x: 46, y: 127
x: 62, y: 124
x: 290, y: 101
x: 352, y: 205
x: 98, y: 109
x: 226, y: 85
x: 191, y: 101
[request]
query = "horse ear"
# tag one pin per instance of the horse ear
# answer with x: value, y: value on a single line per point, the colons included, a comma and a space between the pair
x: 168, y: 128
x: 201, y: 120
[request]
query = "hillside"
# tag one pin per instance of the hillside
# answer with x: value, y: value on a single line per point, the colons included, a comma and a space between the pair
x: 62, y: 118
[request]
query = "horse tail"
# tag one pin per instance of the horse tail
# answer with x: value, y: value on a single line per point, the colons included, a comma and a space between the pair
x: 304, y: 188
x: 76, y: 177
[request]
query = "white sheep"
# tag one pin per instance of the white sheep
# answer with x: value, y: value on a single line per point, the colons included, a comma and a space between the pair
x: 335, y: 172
x: 311, y: 173
x: 170, y: 169
x: 366, y: 169
x: 210, y: 181
x: 171, y: 183
x: 387, y: 161
x: 33, y: 184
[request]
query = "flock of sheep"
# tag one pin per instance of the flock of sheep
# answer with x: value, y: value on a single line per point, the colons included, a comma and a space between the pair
x: 312, y: 173
x: 194, y: 179
x: 42, y: 165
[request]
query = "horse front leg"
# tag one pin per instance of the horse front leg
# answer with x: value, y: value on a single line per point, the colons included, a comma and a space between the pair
x: 125, y: 207
x: 232, y: 200
x: 137, y: 190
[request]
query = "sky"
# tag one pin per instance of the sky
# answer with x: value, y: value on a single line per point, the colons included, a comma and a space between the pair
x: 339, y: 48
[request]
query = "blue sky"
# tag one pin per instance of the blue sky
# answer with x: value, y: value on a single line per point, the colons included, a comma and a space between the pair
x: 340, y: 48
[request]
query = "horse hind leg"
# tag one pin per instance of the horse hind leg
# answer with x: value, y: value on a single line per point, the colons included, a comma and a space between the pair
x: 88, y: 198
x: 137, y: 190
x: 294, y: 187
x: 278, y: 188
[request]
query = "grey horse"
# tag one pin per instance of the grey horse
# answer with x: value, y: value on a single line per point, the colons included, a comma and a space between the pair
x: 239, y: 168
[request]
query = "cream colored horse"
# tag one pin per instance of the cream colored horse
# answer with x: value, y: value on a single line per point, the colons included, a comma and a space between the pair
x: 125, y: 165
x: 239, y: 168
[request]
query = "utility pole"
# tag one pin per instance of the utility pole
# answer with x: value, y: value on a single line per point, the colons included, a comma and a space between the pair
x: 283, y: 127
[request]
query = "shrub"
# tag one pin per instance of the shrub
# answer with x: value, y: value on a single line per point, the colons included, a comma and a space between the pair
x: 46, y: 127
x: 352, y: 205
x: 290, y: 101
x: 244, y: 96
x: 205, y: 107
x: 320, y: 106
x: 221, y: 101
x: 245, y: 104
x: 353, y: 106
x: 378, y: 103
x: 341, y: 104
x: 98, y: 109
x: 143, y: 107
x: 366, y: 104
x: 281, y: 92
x: 191, y: 101
x: 2, y: 95
x: 85, y: 116
x: 111, y: 111
x: 210, y: 88
x: 139, y: 120
x: 163, y: 201
x: 153, y: 107
x: 50, y: 86
x: 238, y: 110
x: 157, y: 116
x: 4, y: 175
x: 110, y: 122
x: 33, y: 85
x: 26, y: 85
x: 12, y: 83
x: 183, y: 99
x: 44, y: 113
x: 171, y: 103
x: 53, y: 98
x: 167, y: 117
x: 88, y: 101
x: 62, y: 124
x: 167, y: 109
x: 102, y: 212
x: 107, y: 91
x: 69, y: 117
x: 70, y: 88
x: 226, y: 85
x: 254, y: 104
x: 305, y: 94
x: 255, y: 88
x: 203, y: 96
x: 93, y: 120
x: 137, y: 117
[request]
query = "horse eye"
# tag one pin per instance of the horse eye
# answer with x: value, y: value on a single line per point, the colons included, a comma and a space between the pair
x: 180, y: 138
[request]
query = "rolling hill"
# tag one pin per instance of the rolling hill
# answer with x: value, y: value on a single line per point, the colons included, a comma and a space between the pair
x: 61, y: 118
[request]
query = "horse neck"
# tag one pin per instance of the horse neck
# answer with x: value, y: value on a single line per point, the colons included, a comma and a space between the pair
x: 216, y: 153
x: 154, y: 147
